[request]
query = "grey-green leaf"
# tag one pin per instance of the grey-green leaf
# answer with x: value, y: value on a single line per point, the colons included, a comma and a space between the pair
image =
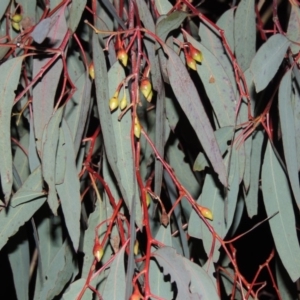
x: 49, y: 149
x: 166, y: 24
x: 14, y: 217
x: 293, y: 33
x: 76, y: 11
x: 115, y: 284
x: 69, y: 190
x: 9, y: 79
x: 189, y: 100
x: 173, y: 264
x: 288, y: 132
x: 245, y: 33
x: 268, y: 59
x: 277, y: 198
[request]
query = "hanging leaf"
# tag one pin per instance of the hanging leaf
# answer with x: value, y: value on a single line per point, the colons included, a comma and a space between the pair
x: 293, y: 33
x: 245, y: 33
x: 3, y: 6
x: 75, y: 289
x: 184, y: 89
x: 9, y: 78
x: 166, y: 24
x: 115, y: 283
x: 288, y: 132
x: 14, y: 217
x: 255, y: 166
x: 69, y: 190
x: 268, y: 59
x: 31, y: 189
x: 76, y: 11
x: 277, y: 199
x: 18, y: 255
x: 226, y: 22
x: 163, y: 6
x: 49, y: 150
x: 220, y: 92
x: 173, y: 264
x: 44, y: 90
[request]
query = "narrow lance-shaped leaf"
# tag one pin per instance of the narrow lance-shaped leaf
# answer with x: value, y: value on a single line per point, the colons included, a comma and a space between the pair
x: 50, y: 140
x: 173, y: 264
x: 69, y: 190
x: 9, y: 79
x: 14, y: 217
x: 115, y: 283
x: 77, y: 8
x: 277, y: 199
x: 268, y: 59
x: 102, y: 95
x: 189, y: 100
x: 45, y: 89
x: 288, y: 132
x: 245, y: 33
x: 169, y: 23
x: 219, y: 90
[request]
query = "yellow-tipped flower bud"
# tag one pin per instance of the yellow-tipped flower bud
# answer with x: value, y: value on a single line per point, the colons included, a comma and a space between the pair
x: 148, y: 199
x: 98, y: 251
x: 123, y: 102
x: 17, y: 18
x: 191, y: 62
x: 137, y: 128
x: 146, y: 89
x: 122, y: 57
x: 92, y: 70
x: 196, y: 54
x: 113, y: 103
x: 206, y: 213
x: 136, y: 247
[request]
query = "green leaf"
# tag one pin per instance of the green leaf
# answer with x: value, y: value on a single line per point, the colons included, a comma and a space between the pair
x: 69, y: 190
x: 49, y: 151
x: 296, y: 110
x: 166, y: 24
x: 59, y: 273
x: 173, y: 264
x: 95, y: 218
x: 220, y: 92
x: 288, y: 132
x: 102, y: 95
x: 293, y: 33
x: 13, y: 217
x: 122, y: 131
x: 223, y: 135
x: 255, y: 166
x: 245, y: 33
x: 277, y: 198
x: 3, y: 7
x: 201, y: 283
x: 18, y: 255
x: 268, y: 59
x: 31, y: 189
x: 163, y: 6
x: 76, y: 12
x: 115, y: 284
x: 184, y: 89
x: 182, y: 169
x: 158, y: 285
x: 61, y: 157
x: 75, y: 289
x: 9, y: 79
x: 34, y: 160
x: 21, y: 159
x: 45, y: 89
x: 77, y: 108
x: 226, y: 22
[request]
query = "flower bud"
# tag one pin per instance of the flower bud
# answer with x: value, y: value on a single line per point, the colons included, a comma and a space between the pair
x: 98, y: 251
x: 196, y: 54
x: 148, y: 199
x: 136, y: 247
x: 123, y: 102
x: 206, y: 213
x: 164, y: 219
x: 16, y: 18
x: 122, y: 57
x: 113, y: 103
x: 191, y: 62
x: 146, y: 89
x: 137, y: 128
x: 92, y: 70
